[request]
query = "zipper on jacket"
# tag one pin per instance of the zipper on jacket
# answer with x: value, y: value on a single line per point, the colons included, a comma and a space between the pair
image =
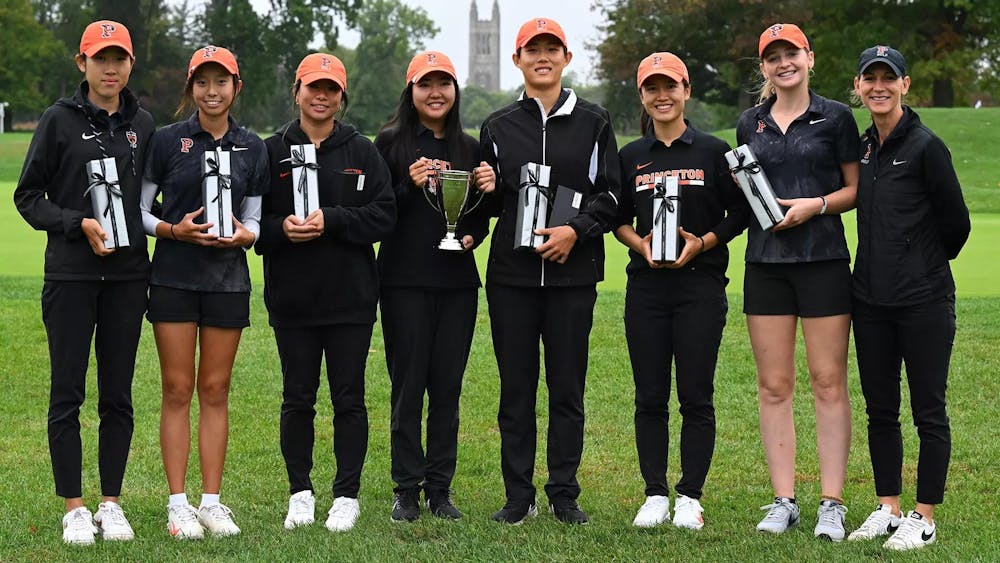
x: 541, y: 112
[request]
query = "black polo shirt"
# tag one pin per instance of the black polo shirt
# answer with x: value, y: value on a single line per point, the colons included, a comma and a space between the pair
x: 174, y: 164
x: 710, y: 200
x: 410, y: 256
x: 802, y: 162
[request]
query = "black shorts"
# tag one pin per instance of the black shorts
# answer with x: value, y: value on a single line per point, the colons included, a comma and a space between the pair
x: 206, y: 308
x: 805, y: 289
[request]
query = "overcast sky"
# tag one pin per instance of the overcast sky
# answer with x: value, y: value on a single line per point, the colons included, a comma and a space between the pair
x: 452, y: 19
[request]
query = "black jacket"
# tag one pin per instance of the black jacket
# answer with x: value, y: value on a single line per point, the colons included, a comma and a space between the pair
x: 49, y: 194
x: 409, y: 257
x: 912, y: 218
x: 576, y: 139
x: 331, y: 279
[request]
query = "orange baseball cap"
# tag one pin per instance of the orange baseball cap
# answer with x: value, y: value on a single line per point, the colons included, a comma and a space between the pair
x: 427, y: 62
x: 320, y: 66
x: 667, y: 64
x: 105, y: 33
x: 782, y: 32
x: 213, y: 54
x: 539, y: 26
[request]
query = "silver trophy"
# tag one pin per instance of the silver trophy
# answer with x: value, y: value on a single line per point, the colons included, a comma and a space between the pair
x: 451, y: 192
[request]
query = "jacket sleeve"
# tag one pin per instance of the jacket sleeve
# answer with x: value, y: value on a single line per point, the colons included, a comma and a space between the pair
x: 492, y: 203
x: 402, y: 187
x: 600, y: 213
x: 947, y: 203
x: 626, y: 199
x: 476, y: 222
x: 272, y: 234
x: 373, y: 221
x: 40, y: 165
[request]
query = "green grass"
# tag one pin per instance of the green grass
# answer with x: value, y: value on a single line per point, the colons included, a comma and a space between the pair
x: 255, y: 482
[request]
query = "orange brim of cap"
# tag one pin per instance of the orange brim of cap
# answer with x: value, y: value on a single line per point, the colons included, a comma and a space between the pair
x: 424, y: 72
x: 675, y: 76
x: 310, y: 77
x: 96, y: 48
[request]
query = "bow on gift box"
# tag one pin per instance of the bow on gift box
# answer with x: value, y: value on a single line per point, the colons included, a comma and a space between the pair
x: 223, y: 184
x: 660, y: 192
x: 545, y: 191
x: 298, y: 161
x: 99, y: 179
x: 751, y: 169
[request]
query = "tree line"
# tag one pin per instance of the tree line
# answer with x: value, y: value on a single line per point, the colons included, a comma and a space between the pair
x: 952, y: 47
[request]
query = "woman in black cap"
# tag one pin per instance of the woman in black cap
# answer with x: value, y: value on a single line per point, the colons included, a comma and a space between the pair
x: 912, y: 220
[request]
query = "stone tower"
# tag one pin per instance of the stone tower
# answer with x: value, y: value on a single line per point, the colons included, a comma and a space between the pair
x: 484, y: 49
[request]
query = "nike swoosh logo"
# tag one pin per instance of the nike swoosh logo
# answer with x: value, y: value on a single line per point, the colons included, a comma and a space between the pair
x: 925, y: 536
x: 87, y: 137
x: 284, y: 174
x: 890, y: 528
x: 898, y: 162
x: 815, y: 121
x: 240, y: 149
x: 641, y: 166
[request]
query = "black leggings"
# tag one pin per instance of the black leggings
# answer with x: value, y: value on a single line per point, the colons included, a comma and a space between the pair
x: 111, y: 314
x: 921, y: 336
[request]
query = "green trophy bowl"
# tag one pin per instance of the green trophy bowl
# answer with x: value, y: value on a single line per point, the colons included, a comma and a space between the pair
x: 453, y: 193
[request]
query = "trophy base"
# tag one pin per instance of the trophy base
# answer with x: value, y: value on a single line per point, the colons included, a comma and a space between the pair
x: 449, y: 242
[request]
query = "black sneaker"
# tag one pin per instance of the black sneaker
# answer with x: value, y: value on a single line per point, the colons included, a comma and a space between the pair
x: 440, y: 505
x: 406, y: 506
x: 568, y: 512
x: 515, y: 512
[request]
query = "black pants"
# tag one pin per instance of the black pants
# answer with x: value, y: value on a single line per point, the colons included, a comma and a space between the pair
x: 562, y: 318
x: 301, y: 351
x: 922, y: 336
x: 111, y: 314
x: 428, y: 334
x: 677, y: 317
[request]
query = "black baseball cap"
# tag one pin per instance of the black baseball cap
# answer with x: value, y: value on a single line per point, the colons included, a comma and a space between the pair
x: 882, y: 54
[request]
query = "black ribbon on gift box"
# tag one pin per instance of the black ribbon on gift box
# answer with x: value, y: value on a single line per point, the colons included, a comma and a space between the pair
x: 660, y: 192
x: 298, y: 161
x: 751, y: 169
x: 223, y: 184
x: 545, y: 191
x: 112, y: 189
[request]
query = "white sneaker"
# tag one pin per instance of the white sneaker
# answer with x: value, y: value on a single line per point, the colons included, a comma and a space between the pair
x: 218, y: 520
x: 687, y: 513
x: 654, y: 512
x: 343, y: 514
x: 913, y: 532
x: 830, y: 521
x: 882, y: 522
x: 781, y: 515
x: 78, y: 527
x: 301, y: 510
x: 182, y: 523
x: 111, y: 523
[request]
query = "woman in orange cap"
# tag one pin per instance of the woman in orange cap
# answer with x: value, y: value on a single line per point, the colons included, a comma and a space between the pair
x: 199, y: 294
x: 675, y: 312
x: 429, y: 296
x: 800, y: 270
x: 91, y: 290
x: 320, y: 280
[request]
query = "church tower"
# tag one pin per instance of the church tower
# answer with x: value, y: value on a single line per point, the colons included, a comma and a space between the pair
x: 484, y: 49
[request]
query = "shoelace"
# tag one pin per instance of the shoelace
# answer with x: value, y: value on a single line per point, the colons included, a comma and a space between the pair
x: 777, y: 511
x: 80, y: 520
x: 186, y: 514
x: 876, y: 522
x: 688, y: 504
x: 339, y: 508
x: 301, y: 504
x: 114, y: 515
x: 832, y: 514
x: 908, y: 528
x: 220, y: 511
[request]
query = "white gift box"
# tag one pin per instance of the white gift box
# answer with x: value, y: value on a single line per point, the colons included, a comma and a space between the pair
x: 106, y: 199
x: 305, y: 184
x: 666, y: 241
x: 216, y: 194
x: 755, y: 186
x: 533, y: 205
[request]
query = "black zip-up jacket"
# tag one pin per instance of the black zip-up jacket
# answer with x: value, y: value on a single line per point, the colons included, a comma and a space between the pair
x: 332, y: 279
x: 410, y: 256
x: 710, y: 200
x: 49, y: 193
x: 576, y: 139
x: 912, y: 218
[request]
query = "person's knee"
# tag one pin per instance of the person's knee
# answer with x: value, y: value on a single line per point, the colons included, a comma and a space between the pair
x: 177, y: 393
x: 213, y: 393
x: 776, y: 390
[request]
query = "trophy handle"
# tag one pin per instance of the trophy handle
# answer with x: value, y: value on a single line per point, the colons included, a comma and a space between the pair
x: 434, y: 202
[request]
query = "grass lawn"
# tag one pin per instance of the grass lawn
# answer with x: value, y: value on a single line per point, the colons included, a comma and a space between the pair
x: 255, y: 483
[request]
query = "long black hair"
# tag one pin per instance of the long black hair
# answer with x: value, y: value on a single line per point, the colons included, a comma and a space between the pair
x: 400, y: 150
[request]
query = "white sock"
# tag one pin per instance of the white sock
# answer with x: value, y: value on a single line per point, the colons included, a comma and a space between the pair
x: 209, y: 500
x: 180, y: 499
